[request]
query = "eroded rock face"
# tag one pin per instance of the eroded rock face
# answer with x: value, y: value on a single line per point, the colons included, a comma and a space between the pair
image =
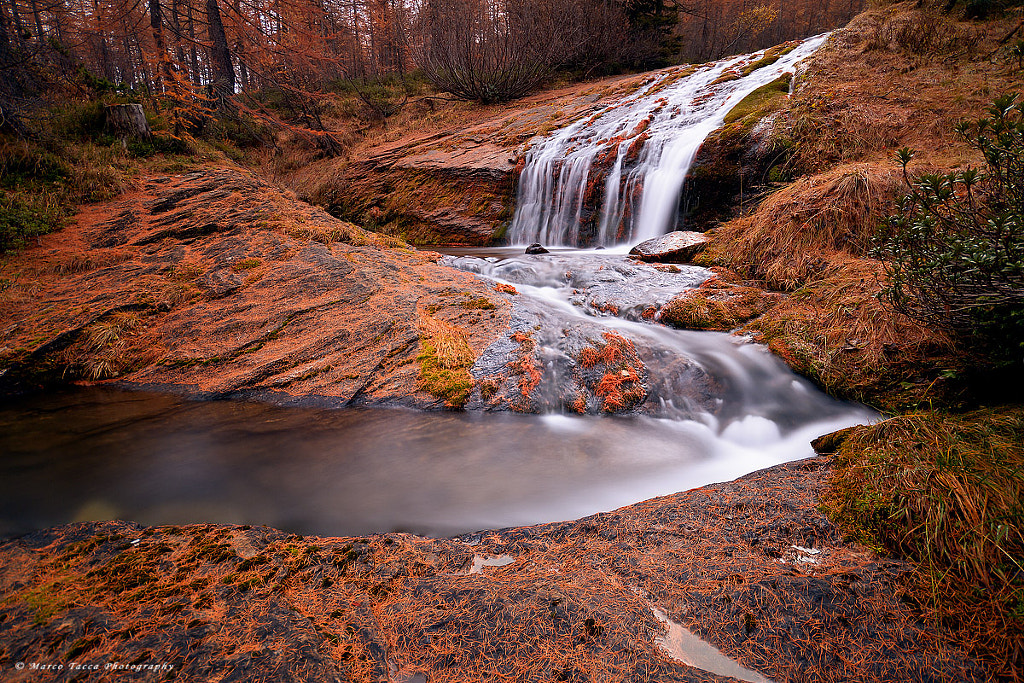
x: 679, y: 246
x: 733, y: 169
x: 218, y: 285
x: 750, y: 566
x: 453, y: 185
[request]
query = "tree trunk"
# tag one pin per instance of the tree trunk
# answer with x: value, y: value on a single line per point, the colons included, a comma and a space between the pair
x: 165, y: 76
x: 223, y: 82
x: 128, y: 122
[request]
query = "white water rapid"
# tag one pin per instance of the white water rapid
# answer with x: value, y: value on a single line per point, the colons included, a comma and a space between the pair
x: 616, y: 176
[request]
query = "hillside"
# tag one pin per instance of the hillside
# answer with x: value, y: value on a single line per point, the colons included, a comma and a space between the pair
x: 220, y: 268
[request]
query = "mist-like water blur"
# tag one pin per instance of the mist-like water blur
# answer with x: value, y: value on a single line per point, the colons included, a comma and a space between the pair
x: 641, y: 191
x: 159, y: 459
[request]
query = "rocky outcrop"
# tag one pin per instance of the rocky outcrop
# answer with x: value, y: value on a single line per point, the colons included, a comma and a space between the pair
x: 737, y: 163
x: 750, y: 566
x: 679, y: 246
x: 216, y: 284
x: 455, y: 185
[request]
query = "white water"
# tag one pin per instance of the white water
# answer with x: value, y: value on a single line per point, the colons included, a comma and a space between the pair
x: 759, y: 412
x: 639, y: 195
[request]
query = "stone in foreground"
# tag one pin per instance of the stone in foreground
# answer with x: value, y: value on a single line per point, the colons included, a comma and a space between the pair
x: 750, y: 566
x: 675, y: 247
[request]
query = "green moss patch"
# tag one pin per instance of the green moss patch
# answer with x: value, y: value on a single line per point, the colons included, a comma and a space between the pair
x: 445, y: 359
x: 770, y: 57
x: 762, y: 101
x: 453, y: 385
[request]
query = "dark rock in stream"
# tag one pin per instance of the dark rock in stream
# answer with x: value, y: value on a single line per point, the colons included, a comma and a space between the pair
x: 750, y: 566
x: 536, y: 248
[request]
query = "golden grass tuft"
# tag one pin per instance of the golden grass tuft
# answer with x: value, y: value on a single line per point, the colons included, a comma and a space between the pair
x: 948, y: 492
x: 110, y: 347
x: 835, y: 331
x: 795, y: 233
x: 445, y: 360
x: 81, y: 263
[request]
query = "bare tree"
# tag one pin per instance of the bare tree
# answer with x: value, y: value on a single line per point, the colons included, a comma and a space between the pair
x: 496, y: 50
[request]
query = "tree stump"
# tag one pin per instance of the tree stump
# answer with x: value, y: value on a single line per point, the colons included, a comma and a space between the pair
x: 128, y: 122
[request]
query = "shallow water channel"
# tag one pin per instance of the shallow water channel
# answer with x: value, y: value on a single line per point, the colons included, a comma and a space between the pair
x: 100, y: 453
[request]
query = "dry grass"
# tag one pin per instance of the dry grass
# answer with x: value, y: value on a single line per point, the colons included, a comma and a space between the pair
x: 445, y: 359
x: 109, y: 347
x: 867, y: 93
x: 716, y: 305
x: 947, y: 492
x: 835, y: 331
x: 811, y: 239
x: 81, y: 263
x: 796, y: 234
x: 450, y: 342
x: 925, y: 32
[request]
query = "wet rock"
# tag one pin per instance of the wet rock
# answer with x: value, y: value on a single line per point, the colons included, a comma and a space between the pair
x: 323, y: 609
x: 675, y: 247
x: 536, y: 248
x: 827, y: 444
x: 225, y: 286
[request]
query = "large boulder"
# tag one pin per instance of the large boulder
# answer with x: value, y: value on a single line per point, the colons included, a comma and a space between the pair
x: 675, y: 247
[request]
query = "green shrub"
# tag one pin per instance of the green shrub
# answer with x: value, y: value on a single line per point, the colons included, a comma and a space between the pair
x: 954, y: 253
x: 24, y: 217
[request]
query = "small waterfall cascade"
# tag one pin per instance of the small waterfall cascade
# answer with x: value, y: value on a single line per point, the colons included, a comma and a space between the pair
x: 616, y: 176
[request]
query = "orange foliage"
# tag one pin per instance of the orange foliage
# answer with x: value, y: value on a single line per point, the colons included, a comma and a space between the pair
x: 621, y: 386
x: 526, y: 368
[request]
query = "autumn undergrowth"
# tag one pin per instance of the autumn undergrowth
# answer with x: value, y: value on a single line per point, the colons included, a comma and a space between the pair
x: 445, y: 358
x: 66, y: 160
x: 946, y: 491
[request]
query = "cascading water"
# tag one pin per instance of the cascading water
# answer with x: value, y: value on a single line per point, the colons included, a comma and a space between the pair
x: 711, y: 408
x: 616, y: 176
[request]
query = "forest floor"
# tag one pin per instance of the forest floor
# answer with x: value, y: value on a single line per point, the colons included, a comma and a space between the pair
x: 751, y: 566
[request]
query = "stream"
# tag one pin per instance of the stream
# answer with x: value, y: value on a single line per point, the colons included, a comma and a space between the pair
x: 104, y: 453
x: 708, y: 407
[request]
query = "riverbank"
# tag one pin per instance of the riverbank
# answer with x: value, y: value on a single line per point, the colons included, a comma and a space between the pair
x: 216, y: 284
x: 750, y: 566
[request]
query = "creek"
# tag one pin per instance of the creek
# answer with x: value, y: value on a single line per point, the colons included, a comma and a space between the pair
x: 710, y: 406
x: 103, y: 453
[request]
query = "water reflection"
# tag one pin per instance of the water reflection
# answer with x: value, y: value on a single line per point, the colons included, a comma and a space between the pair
x: 158, y: 459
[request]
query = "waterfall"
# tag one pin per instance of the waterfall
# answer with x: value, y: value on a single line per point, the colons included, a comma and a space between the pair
x: 616, y: 176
